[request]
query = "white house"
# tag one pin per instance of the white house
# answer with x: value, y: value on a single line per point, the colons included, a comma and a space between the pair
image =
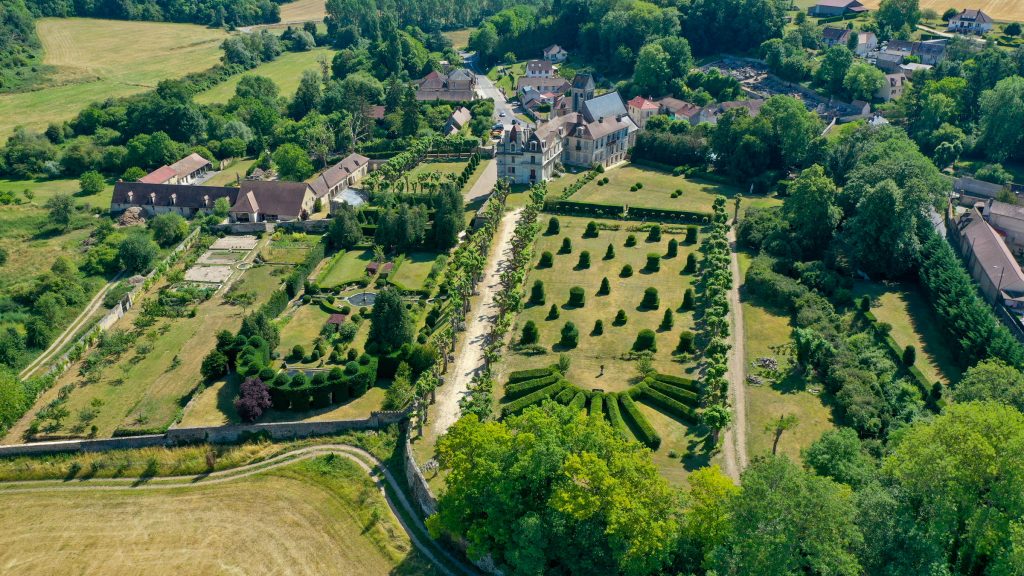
x: 540, y: 69
x: 971, y: 22
x: 555, y: 54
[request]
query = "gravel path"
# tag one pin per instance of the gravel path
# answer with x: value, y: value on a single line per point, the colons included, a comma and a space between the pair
x: 470, y: 355
x: 735, y: 449
x: 382, y: 477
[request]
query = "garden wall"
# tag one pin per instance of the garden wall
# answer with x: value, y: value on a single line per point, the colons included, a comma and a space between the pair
x: 425, y: 499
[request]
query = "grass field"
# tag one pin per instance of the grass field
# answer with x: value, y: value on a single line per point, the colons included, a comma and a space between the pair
x: 998, y: 9
x: 412, y: 274
x: 286, y: 72
x: 302, y: 328
x: 682, y: 447
x: 229, y: 176
x: 913, y: 324
x: 459, y: 38
x: 765, y: 330
x: 99, y: 59
x: 455, y: 168
x: 657, y: 190
x: 345, y: 269
x: 303, y: 11
x: 626, y: 293
x: 321, y: 516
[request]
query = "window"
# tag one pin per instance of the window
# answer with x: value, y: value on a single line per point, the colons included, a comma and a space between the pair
x: 533, y: 159
x: 511, y: 169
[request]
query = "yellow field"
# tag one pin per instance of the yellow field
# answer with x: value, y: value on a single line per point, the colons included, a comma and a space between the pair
x: 99, y: 59
x: 999, y: 9
x: 286, y: 72
x: 304, y: 11
x: 314, y: 517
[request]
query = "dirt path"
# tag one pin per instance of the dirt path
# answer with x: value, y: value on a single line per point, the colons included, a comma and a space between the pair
x: 735, y: 449
x: 400, y: 506
x: 71, y: 331
x: 470, y: 356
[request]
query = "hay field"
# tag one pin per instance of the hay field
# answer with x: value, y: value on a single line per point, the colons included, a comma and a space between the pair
x: 286, y: 72
x: 304, y: 11
x: 314, y: 517
x: 98, y: 59
x: 1006, y: 10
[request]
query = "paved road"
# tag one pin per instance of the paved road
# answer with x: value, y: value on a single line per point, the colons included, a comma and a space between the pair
x: 486, y: 89
x: 485, y: 184
x: 470, y: 357
x: 400, y: 506
x: 735, y: 449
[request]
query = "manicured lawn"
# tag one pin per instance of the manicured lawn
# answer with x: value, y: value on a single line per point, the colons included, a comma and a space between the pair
x: 658, y: 187
x: 766, y: 330
x: 229, y: 176
x: 441, y: 167
x: 99, y: 59
x: 626, y: 293
x: 412, y: 273
x: 683, y: 447
x: 507, y: 81
x: 285, y: 71
x: 302, y: 328
x: 345, y: 269
x: 322, y: 516
x: 558, y: 185
x: 913, y: 324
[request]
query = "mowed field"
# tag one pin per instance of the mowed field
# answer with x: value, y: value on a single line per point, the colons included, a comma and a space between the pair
x: 304, y: 11
x: 99, y: 59
x: 286, y: 72
x: 998, y: 9
x: 320, y: 516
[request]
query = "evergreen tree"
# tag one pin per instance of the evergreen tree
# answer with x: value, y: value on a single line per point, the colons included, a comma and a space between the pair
x: 390, y: 326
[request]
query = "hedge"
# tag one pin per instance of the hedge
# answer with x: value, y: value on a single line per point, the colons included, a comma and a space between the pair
x: 532, y: 398
x: 670, y: 405
x: 615, y: 417
x: 527, y: 386
x: 579, y: 401
x: 678, y: 382
x: 617, y: 211
x: 647, y: 434
x: 335, y: 390
x: 681, y: 394
x: 521, y: 375
x: 597, y: 405
x: 897, y: 355
x: 565, y: 396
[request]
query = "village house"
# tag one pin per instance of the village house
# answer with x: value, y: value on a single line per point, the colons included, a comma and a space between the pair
x: 990, y: 261
x: 183, y: 172
x: 973, y: 189
x: 540, y: 69
x: 459, y: 119
x: 1008, y: 219
x: 930, y: 52
x: 641, y: 109
x: 154, y: 199
x: 866, y: 41
x: 893, y: 87
x: 833, y: 8
x: 597, y: 131
x: 912, y: 68
x: 554, y: 85
x: 332, y: 182
x: 275, y: 201
x: 678, y: 109
x: 459, y: 85
x: 710, y: 114
x: 555, y: 54
x: 970, y: 21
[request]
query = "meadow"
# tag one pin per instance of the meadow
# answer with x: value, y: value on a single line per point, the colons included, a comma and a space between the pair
x: 460, y: 38
x: 285, y: 71
x: 1006, y: 10
x: 303, y: 11
x: 322, y: 516
x: 98, y: 59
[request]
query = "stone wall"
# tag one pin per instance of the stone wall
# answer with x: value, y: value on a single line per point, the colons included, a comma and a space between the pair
x: 421, y: 492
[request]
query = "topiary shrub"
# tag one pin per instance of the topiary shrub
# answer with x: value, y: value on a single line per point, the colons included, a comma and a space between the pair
x: 691, y: 234
x: 645, y: 341
x: 598, y: 328
x: 627, y: 271
x: 537, y: 293
x: 909, y: 356
x: 570, y: 336
x: 591, y: 231
x: 554, y: 226
x: 605, y: 289
x: 639, y: 185
x: 553, y: 312
x: 530, y: 333
x: 620, y: 318
x: 653, y: 262
x: 546, y: 260
x: 630, y: 241
x: 865, y: 304
x: 351, y: 355
x: 686, y: 342
x: 650, y: 300
x: 298, y: 352
x: 584, y: 262
x: 667, y: 321
x: 673, y: 249
x: 577, y: 298
x: 688, y: 299
x: 654, y: 234
x: 609, y: 254
x: 566, y: 246
x: 691, y: 263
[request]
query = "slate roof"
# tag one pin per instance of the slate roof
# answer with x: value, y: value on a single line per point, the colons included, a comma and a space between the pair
x: 583, y: 81
x: 835, y: 34
x: 973, y: 15
x: 976, y: 187
x: 195, y: 197
x: 275, y: 198
x: 539, y: 67
x: 848, y: 4
x: 603, y: 106
x: 553, y: 84
x: 991, y: 252
x: 323, y: 182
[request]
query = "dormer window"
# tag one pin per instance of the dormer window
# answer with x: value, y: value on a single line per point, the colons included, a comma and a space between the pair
x: 174, y: 199
x: 131, y: 197
x: 206, y: 201
x: 152, y: 198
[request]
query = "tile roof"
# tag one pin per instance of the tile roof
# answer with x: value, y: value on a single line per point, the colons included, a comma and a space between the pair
x: 277, y: 197
x: 189, y: 164
x: 323, y: 182
x: 992, y: 254
x: 159, y: 176
x: 642, y: 103
x: 679, y: 107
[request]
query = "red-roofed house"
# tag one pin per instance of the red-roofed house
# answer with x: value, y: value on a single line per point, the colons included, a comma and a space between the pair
x: 183, y: 172
x: 640, y: 109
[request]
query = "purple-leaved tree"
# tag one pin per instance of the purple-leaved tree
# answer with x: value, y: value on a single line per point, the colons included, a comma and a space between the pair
x: 252, y: 400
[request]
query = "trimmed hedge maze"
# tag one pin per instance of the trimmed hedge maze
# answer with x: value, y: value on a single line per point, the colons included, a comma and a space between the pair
x: 300, y: 393
x: 672, y: 395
